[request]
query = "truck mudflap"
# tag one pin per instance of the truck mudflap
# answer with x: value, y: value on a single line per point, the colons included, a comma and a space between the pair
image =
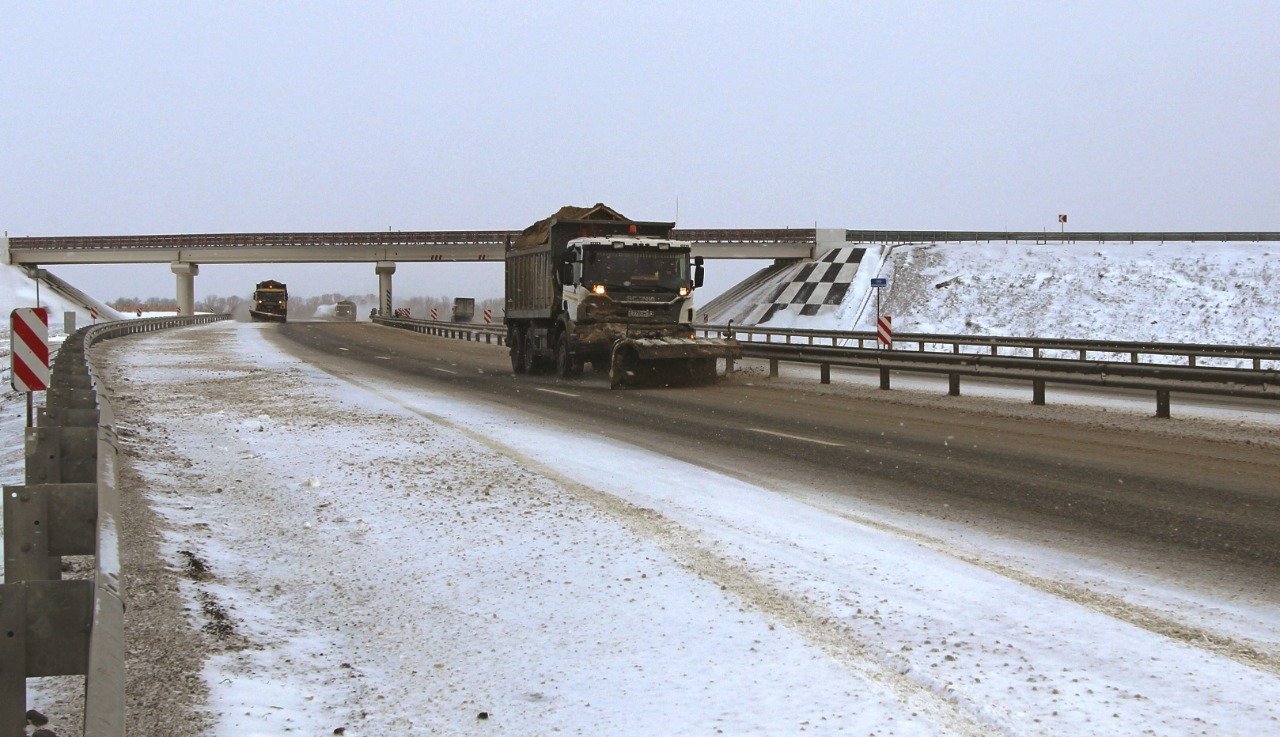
x: 668, y: 361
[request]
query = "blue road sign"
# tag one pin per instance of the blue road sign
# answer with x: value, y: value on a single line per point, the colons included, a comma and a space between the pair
x: 879, y: 282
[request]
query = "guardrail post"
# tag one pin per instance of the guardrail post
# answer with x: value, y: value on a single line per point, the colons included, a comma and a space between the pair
x: 884, y: 378
x: 13, y: 659
x: 1037, y: 391
x: 1133, y: 357
x: 1191, y: 361
x: 953, y: 384
x: 1162, y: 403
x: 824, y: 373
x: 773, y: 368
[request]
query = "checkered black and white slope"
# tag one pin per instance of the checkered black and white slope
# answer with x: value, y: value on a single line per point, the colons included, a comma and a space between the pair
x: 815, y: 288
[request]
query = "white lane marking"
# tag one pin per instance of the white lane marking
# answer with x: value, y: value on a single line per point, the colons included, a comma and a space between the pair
x: 795, y: 437
x: 344, y: 349
x: 447, y: 371
x: 556, y: 391
x: 385, y: 358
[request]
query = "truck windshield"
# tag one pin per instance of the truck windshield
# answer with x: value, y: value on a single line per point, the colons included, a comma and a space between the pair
x: 663, y: 270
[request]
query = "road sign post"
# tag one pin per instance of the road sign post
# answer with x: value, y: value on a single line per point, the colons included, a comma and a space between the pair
x: 879, y: 283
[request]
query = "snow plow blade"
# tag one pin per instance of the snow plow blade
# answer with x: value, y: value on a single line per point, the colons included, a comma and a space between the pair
x: 668, y: 361
x: 657, y: 349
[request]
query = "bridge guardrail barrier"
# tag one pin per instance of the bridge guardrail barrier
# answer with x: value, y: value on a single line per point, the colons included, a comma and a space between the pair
x: 68, y: 505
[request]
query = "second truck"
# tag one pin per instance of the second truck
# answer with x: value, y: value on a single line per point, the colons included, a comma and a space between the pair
x: 588, y: 285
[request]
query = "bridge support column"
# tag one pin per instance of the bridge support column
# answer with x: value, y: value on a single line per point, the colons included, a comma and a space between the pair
x: 186, y: 274
x: 384, y: 269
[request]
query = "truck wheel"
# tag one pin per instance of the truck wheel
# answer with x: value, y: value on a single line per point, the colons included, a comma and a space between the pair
x: 529, y: 354
x: 567, y: 365
x: 515, y: 347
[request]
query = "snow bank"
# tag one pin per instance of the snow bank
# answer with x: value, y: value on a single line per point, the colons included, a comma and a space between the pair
x: 1174, y: 292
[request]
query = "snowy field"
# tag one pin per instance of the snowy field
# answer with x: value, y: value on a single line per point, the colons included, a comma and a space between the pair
x: 366, y: 556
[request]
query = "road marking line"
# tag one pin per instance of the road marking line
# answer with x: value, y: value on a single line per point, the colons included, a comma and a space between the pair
x: 557, y: 391
x: 344, y: 349
x: 795, y: 437
x: 385, y: 358
x: 447, y: 371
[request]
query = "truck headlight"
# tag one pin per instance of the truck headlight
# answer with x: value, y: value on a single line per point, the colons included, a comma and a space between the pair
x: 598, y: 289
x: 684, y: 291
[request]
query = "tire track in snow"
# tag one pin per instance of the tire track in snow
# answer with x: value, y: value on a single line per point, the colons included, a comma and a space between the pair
x: 825, y: 632
x: 1107, y: 604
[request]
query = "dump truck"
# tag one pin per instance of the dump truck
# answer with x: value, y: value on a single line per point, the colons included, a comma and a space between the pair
x: 588, y: 285
x: 344, y: 310
x: 464, y: 308
x: 270, y: 302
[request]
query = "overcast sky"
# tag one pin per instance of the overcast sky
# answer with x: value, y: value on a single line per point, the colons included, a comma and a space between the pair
x: 224, y: 117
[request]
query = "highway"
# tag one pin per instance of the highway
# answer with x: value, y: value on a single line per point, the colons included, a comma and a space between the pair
x: 1154, y: 500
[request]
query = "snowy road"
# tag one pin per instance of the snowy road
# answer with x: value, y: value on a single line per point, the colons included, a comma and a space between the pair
x: 396, y: 554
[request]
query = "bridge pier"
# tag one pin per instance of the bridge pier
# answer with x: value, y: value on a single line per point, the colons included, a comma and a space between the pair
x: 186, y: 275
x: 384, y: 269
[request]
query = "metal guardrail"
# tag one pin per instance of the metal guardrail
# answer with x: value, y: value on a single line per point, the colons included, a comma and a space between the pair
x: 1193, y: 353
x: 68, y: 505
x: 980, y: 356
x: 461, y: 330
x: 1190, y: 378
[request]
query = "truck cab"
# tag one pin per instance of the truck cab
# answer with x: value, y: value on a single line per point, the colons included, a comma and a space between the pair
x: 635, y: 280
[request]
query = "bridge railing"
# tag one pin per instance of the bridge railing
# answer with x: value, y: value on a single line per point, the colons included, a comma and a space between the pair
x: 68, y: 505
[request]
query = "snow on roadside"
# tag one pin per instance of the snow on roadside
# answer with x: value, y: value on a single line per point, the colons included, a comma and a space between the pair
x: 450, y: 561
x: 416, y: 579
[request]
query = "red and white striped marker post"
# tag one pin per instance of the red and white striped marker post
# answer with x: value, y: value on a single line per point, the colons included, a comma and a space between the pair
x: 93, y: 312
x: 29, y: 335
x: 433, y: 314
x: 488, y: 317
x: 884, y: 332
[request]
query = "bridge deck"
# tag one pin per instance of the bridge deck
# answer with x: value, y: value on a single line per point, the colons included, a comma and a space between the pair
x: 490, y: 245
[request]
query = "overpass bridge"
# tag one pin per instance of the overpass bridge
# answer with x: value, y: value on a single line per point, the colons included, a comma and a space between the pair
x: 185, y: 252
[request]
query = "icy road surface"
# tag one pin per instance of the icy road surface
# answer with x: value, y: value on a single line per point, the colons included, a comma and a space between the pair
x: 358, y: 554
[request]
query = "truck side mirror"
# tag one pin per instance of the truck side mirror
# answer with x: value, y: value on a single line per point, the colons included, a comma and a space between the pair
x: 698, y: 274
x: 566, y: 273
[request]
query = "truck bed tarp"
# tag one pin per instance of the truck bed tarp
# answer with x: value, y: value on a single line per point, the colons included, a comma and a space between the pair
x: 539, y: 232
